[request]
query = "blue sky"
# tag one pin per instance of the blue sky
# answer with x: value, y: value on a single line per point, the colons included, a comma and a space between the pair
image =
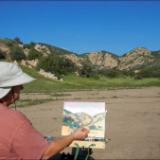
x: 81, y: 26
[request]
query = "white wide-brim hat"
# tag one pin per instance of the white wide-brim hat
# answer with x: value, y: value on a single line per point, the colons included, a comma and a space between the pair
x: 11, y: 75
x: 4, y: 91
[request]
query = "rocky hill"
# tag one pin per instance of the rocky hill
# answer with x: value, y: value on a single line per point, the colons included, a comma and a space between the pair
x: 103, y: 58
x: 29, y: 54
x: 135, y: 58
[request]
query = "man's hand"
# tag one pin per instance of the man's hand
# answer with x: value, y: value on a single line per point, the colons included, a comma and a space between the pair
x: 80, y: 134
x: 58, y: 145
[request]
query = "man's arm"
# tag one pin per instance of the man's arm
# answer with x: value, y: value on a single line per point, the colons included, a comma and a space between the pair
x: 61, y: 143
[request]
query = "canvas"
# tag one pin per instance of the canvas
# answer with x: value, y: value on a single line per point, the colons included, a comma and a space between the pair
x: 90, y: 115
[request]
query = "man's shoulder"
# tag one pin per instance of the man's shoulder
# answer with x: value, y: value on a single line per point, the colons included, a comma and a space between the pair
x: 12, y: 115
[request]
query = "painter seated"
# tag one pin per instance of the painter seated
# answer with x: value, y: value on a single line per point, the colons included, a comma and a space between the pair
x: 18, y: 138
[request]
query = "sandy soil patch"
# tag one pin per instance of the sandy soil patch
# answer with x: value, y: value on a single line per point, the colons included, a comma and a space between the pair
x: 132, y: 123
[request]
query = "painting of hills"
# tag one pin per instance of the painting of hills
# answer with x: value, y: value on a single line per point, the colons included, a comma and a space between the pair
x: 90, y: 115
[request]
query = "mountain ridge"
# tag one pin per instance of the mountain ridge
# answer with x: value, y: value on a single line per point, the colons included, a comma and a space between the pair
x: 133, y: 59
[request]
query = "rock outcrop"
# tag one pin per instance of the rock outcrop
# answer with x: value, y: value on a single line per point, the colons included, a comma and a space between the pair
x: 131, y: 60
x: 105, y: 60
x: 42, y: 49
x: 5, y: 49
x: 134, y: 58
x: 48, y: 75
x: 75, y: 59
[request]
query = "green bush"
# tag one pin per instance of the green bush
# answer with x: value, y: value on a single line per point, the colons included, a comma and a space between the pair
x: 29, y: 46
x: 115, y: 73
x: 56, y: 65
x: 156, y: 54
x: 33, y: 54
x: 2, y: 56
x: 18, y: 40
x: 17, y: 53
x: 111, y: 73
x: 146, y: 73
x: 149, y: 71
x: 128, y: 73
x: 88, y: 70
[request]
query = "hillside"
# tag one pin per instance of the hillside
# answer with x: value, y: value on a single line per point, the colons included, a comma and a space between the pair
x: 103, y: 59
x: 34, y: 55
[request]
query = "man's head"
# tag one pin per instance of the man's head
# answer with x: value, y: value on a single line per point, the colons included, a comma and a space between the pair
x: 12, y: 79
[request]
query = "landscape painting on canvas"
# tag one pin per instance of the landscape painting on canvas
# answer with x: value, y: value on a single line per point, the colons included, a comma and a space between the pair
x: 90, y: 115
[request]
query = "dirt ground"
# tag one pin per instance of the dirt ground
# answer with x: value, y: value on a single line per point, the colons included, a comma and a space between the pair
x: 132, y: 123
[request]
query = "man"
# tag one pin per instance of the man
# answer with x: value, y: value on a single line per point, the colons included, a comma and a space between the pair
x: 18, y: 138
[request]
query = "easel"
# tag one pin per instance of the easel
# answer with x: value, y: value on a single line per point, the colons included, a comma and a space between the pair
x: 80, y: 151
x: 77, y: 153
x: 84, y: 153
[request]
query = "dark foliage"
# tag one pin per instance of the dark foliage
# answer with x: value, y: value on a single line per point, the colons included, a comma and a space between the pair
x: 17, y: 53
x: 30, y: 45
x: 2, y: 55
x: 112, y: 73
x: 149, y: 71
x: 56, y: 65
x: 33, y: 54
x: 88, y: 70
x: 18, y: 40
x: 156, y: 54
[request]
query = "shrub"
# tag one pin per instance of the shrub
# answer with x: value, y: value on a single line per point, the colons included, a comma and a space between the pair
x: 113, y: 73
x: 156, y: 54
x: 33, y: 54
x: 56, y: 65
x: 17, y: 53
x: 88, y: 70
x: 30, y: 45
x: 152, y: 70
x: 18, y: 40
x: 2, y: 56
